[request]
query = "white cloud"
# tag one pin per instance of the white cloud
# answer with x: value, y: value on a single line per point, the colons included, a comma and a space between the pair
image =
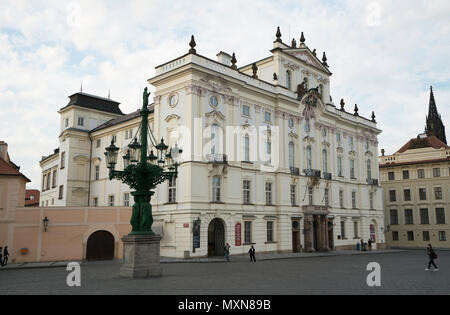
x: 384, y: 55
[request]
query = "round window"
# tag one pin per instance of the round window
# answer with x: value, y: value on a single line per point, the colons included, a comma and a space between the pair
x: 295, y: 225
x: 214, y: 101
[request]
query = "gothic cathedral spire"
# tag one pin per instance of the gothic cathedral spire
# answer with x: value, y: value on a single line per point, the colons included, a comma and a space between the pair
x: 434, y: 126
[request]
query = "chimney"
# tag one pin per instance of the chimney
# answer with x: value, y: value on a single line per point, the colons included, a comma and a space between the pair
x: 224, y: 58
x: 4, y: 151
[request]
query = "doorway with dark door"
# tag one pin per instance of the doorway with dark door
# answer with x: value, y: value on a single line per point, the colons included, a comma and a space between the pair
x: 216, y: 238
x: 295, y: 236
x: 100, y: 246
x: 316, y: 245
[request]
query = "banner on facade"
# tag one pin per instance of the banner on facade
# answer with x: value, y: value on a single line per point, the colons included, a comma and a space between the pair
x: 196, y: 233
x: 237, y: 234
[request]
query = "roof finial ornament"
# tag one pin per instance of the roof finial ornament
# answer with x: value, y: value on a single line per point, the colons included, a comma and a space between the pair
x: 382, y: 152
x: 294, y: 43
x: 324, y: 60
x: 302, y: 38
x: 275, y: 77
x: 81, y: 87
x: 356, y: 110
x: 373, y: 117
x: 233, y: 61
x: 109, y: 94
x: 192, y: 44
x: 255, y: 70
x: 314, y: 52
x: 342, y: 105
x: 278, y: 35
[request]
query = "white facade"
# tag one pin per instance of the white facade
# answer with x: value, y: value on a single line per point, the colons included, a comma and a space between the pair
x: 277, y: 204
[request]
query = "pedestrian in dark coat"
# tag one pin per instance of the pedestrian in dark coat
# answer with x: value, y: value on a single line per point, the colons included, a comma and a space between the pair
x: 227, y: 251
x: 1, y: 259
x: 432, y: 256
x: 369, y: 243
x: 5, y: 256
x: 252, y: 254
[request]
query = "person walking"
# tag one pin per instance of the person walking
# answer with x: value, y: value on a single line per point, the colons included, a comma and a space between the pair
x: 432, y: 255
x: 5, y: 256
x: 227, y: 251
x: 1, y: 260
x: 369, y: 243
x: 252, y: 254
x: 363, y: 245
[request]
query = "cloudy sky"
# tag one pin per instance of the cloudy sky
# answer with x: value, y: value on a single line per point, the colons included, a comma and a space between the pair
x: 384, y: 55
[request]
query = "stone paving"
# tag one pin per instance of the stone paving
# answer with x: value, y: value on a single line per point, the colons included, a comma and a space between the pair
x: 401, y: 273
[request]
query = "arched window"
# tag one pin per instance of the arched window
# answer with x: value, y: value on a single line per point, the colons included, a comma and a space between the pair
x: 291, y: 154
x: 288, y: 79
x: 325, y: 160
x: 369, y: 169
x: 247, y: 148
x: 308, y: 157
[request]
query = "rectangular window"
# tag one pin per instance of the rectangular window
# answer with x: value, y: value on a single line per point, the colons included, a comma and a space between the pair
x: 426, y: 236
x: 216, y: 188
x: 172, y: 185
x: 355, y: 229
x: 392, y: 196
x: 406, y: 174
x: 438, y: 193
x: 98, y: 143
x: 343, y: 229
x: 371, y: 200
x: 48, y: 181
x: 267, y: 116
x: 352, y: 168
x: 394, y: 217
x: 424, y: 218
x: 436, y: 172
x: 354, y: 199
x: 341, y: 199
x: 293, y: 195
x: 422, y: 193
x: 66, y: 122
x: 126, y: 199
x: 409, y: 219
x: 410, y: 236
x: 95, y: 201
x: 269, y: 231
x: 61, y: 192
x: 391, y: 176
x: 114, y: 138
x: 442, y: 236
x: 440, y: 216
x: 268, y: 193
x: 339, y: 166
x: 395, y: 236
x: 421, y: 173
x: 327, y: 197
x: 63, y: 160
x: 407, y: 194
x: 97, y: 172
x: 246, y: 191
x: 247, y: 232
x: 54, y: 179
x: 111, y: 200
x: 311, y: 195
x: 245, y: 110
x: 350, y: 143
x: 80, y: 121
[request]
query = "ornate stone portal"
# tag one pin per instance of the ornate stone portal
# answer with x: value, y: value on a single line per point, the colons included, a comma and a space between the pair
x: 316, y: 229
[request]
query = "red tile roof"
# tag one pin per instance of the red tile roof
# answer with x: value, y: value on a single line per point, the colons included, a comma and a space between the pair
x: 8, y: 169
x: 28, y: 201
x: 430, y: 141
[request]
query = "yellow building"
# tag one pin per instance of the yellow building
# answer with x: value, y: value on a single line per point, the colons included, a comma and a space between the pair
x: 416, y: 187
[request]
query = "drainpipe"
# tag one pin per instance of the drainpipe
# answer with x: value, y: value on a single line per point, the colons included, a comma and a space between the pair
x: 90, y: 169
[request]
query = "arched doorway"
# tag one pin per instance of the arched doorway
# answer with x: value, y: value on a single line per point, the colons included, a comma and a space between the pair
x: 216, y: 238
x: 100, y: 246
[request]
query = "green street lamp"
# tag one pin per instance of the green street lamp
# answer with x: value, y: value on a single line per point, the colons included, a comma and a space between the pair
x: 143, y: 170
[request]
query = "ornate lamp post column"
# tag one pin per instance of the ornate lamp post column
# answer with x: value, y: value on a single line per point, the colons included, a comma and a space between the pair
x: 142, y: 173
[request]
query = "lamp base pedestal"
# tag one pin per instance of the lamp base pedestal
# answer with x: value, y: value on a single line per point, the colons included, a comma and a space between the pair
x: 141, y: 256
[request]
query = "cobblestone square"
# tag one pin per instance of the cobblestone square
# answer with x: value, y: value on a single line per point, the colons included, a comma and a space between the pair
x: 401, y: 273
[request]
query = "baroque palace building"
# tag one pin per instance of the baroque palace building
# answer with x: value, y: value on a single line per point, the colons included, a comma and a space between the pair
x: 416, y: 186
x: 268, y: 159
